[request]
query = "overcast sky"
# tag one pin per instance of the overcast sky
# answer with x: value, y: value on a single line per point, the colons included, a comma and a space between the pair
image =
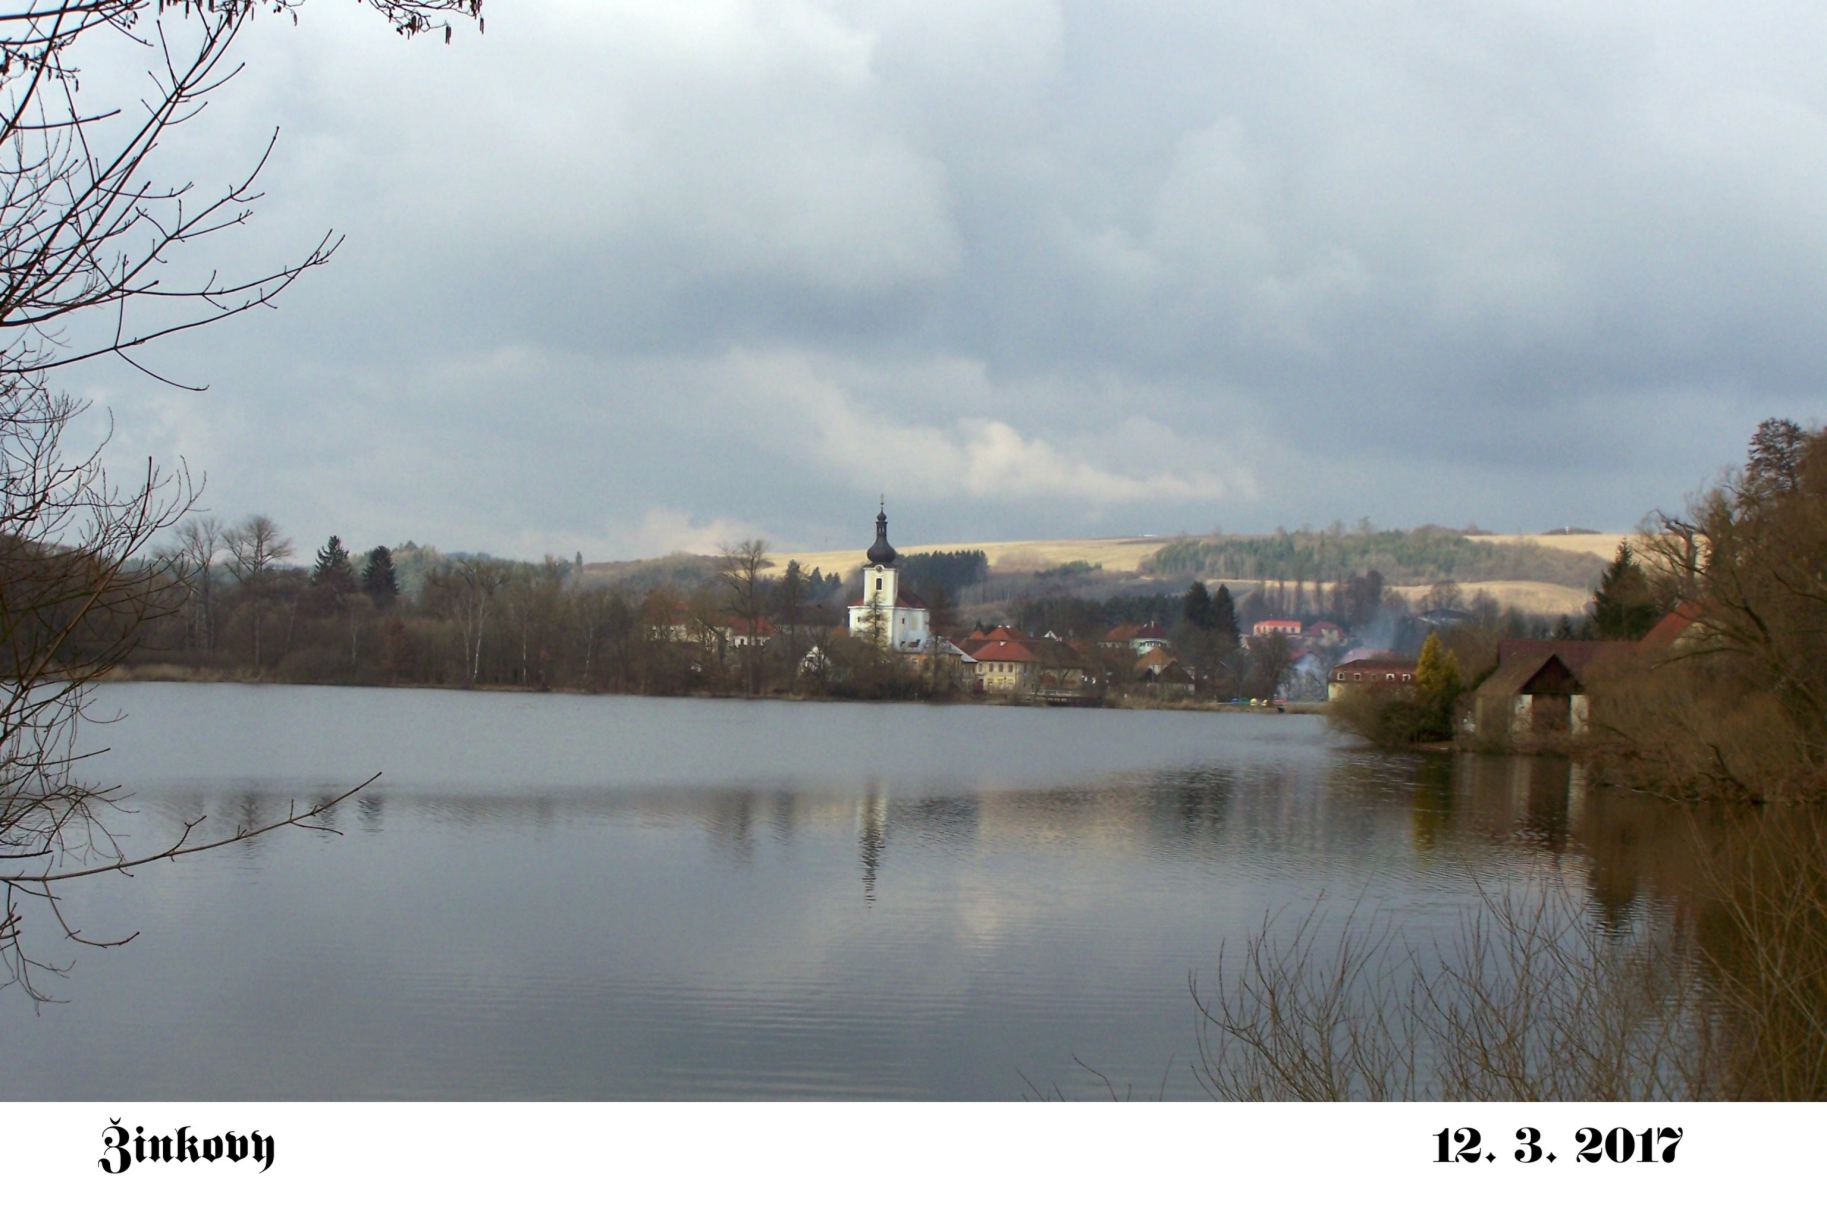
x: 629, y: 277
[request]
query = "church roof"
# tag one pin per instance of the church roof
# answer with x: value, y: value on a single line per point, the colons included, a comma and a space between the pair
x: 881, y: 554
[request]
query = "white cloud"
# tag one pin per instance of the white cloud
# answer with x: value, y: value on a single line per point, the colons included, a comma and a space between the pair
x: 972, y: 456
x: 665, y: 530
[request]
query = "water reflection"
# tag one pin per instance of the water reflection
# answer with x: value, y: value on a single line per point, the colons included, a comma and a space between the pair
x: 672, y: 932
x: 871, y: 836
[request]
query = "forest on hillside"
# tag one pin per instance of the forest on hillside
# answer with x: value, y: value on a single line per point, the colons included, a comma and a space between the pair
x: 1404, y: 556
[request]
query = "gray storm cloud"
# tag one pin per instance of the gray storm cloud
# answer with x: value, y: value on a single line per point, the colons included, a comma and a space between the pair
x: 623, y: 276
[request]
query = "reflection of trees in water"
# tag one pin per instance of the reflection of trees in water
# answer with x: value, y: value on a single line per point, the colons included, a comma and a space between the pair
x: 1524, y: 1000
x: 1572, y: 984
x: 781, y: 815
x: 1632, y: 849
x: 1201, y: 801
x: 246, y: 810
x: 1434, y: 801
x: 730, y: 816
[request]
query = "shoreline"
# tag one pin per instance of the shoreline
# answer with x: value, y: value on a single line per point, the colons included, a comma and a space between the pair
x: 170, y: 674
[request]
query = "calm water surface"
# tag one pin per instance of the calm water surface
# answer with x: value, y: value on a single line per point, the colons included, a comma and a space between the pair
x: 612, y: 898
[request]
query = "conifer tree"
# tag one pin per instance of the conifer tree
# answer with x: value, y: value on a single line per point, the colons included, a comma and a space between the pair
x: 378, y: 579
x: 1224, y: 616
x: 1437, y: 687
x: 1623, y: 605
x: 1196, y: 607
x: 332, y: 571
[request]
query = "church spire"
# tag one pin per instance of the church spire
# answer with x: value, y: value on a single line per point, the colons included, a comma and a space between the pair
x: 881, y: 554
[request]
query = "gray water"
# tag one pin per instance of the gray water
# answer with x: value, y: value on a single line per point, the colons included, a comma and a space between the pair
x: 549, y: 896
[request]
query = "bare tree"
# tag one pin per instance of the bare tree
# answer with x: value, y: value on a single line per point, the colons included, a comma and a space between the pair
x: 75, y: 585
x: 594, y: 617
x: 199, y: 545
x: 1742, y: 705
x: 255, y: 549
x: 740, y: 570
x: 90, y: 237
x: 98, y: 237
x: 463, y: 590
x: 533, y: 599
x: 1442, y: 594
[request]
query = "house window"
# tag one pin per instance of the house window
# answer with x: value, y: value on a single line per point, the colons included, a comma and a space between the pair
x: 878, y: 583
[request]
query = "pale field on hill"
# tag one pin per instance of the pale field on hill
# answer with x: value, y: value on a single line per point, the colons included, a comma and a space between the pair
x: 1124, y: 556
x: 1605, y: 545
x: 1119, y: 554
x: 1530, y: 596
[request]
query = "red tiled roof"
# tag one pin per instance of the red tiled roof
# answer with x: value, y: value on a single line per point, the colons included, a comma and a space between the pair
x: 1154, y: 655
x: 1673, y: 625
x: 1004, y: 651
x: 1127, y: 633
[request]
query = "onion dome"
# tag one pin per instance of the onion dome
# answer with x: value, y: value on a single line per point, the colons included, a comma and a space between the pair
x: 881, y: 554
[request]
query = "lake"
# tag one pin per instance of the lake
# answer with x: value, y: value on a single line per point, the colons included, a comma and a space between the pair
x: 552, y: 896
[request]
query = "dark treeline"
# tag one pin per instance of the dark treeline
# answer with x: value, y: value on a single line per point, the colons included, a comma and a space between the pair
x: 947, y: 572
x: 232, y: 603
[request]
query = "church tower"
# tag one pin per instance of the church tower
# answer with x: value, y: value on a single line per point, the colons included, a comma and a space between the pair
x: 895, y: 619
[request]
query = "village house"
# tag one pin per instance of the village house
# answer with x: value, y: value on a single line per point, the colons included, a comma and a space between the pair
x: 1379, y: 675
x: 713, y: 631
x: 946, y: 662
x: 1064, y: 676
x: 1679, y: 630
x: 747, y: 632
x: 1160, y: 670
x: 1276, y: 625
x: 1042, y: 670
x: 1539, y: 687
x: 1139, y: 639
x: 1004, y: 666
x: 1325, y: 634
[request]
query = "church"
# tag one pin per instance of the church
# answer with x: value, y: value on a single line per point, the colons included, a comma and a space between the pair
x: 896, y: 619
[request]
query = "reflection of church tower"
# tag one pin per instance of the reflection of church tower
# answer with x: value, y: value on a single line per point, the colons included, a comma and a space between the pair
x: 871, y: 836
x: 893, y: 619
